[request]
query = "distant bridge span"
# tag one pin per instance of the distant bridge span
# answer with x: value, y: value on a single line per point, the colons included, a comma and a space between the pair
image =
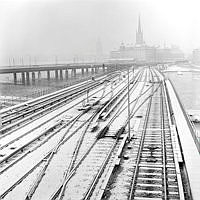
x: 28, y: 72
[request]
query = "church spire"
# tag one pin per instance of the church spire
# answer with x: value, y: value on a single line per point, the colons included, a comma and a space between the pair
x: 139, y: 34
x: 139, y: 25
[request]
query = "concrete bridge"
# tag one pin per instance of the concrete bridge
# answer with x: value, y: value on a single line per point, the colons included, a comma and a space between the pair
x: 29, y: 73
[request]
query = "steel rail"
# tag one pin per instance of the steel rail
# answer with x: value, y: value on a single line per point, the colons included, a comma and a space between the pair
x: 121, y: 109
x: 75, y: 154
x: 89, y: 192
x: 100, y: 171
x: 54, y: 93
x: 68, y: 171
x: 29, y: 142
x: 49, y: 155
x: 164, y: 158
x: 10, y: 142
x: 37, y: 115
x: 71, y: 170
x: 110, y: 109
x: 95, y: 180
x: 43, y: 108
x: 52, y: 99
x: 136, y: 171
x: 116, y: 96
x: 45, y: 158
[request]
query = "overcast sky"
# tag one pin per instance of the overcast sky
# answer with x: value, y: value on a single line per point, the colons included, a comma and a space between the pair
x: 45, y: 28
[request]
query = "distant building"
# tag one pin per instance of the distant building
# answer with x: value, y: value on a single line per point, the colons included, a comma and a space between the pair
x: 196, y: 56
x: 169, y: 54
x: 142, y: 52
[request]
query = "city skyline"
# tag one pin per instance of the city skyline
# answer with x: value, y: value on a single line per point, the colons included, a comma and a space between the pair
x: 69, y: 29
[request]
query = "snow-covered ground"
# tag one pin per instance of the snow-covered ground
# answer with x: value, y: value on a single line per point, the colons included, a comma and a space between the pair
x: 14, y: 173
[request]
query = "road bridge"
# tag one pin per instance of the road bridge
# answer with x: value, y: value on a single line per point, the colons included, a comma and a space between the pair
x: 29, y: 73
x: 122, y: 136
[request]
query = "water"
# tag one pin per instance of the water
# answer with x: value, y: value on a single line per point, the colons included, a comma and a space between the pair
x: 187, y: 86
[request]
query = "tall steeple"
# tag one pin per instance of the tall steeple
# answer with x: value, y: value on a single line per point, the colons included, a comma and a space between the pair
x: 139, y: 25
x: 139, y: 34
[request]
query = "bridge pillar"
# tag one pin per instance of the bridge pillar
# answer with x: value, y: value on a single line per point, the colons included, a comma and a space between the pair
x: 87, y: 71
x: 33, y: 78
x: 109, y: 68
x: 15, y: 78
x: 74, y: 73
x: 56, y: 74
x: 66, y: 74
x: 82, y: 71
x: 92, y: 71
x: 39, y: 76
x: 61, y: 74
x: 27, y: 78
x: 23, y: 78
x: 96, y: 69
x: 103, y: 67
x: 48, y: 75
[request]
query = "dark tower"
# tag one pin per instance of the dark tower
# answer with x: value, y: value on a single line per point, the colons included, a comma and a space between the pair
x: 139, y: 34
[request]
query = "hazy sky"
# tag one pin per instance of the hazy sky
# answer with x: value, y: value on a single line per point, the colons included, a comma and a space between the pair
x: 45, y: 28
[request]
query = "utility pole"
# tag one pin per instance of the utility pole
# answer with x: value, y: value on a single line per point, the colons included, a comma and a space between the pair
x: 129, y: 129
x: 133, y: 73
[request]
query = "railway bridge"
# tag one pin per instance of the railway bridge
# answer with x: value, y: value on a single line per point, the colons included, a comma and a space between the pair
x: 121, y: 136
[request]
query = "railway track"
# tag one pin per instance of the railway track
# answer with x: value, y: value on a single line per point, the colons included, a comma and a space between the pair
x: 70, y: 181
x: 94, y: 157
x: 23, y: 144
x: 22, y: 114
x: 43, y: 158
x: 154, y: 173
x: 98, y: 185
x: 12, y: 146
x: 147, y: 169
x: 81, y: 150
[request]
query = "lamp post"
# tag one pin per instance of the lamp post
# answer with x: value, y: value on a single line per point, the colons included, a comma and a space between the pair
x: 128, y: 108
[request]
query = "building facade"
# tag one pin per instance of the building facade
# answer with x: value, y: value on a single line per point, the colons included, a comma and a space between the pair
x: 144, y: 53
x: 196, y: 56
